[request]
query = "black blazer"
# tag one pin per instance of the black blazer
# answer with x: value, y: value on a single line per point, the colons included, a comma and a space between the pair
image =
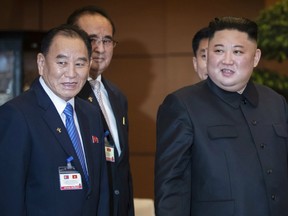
x: 34, y: 143
x: 122, y: 188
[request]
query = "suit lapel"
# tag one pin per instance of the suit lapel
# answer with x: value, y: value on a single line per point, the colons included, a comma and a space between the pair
x: 118, y: 113
x: 55, y: 123
x: 87, y: 94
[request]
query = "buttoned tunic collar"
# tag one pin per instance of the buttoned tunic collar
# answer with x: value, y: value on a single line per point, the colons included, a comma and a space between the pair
x: 234, y: 99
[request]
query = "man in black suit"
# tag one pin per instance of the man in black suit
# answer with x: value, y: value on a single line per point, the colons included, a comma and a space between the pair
x: 52, y: 161
x: 113, y: 104
x: 222, y: 144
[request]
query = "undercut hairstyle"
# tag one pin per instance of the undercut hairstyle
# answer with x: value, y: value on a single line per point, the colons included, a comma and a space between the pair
x: 200, y: 35
x: 66, y: 30
x: 90, y: 10
x: 234, y: 23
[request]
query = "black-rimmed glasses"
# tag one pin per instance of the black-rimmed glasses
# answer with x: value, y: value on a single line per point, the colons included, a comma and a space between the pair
x: 106, y: 42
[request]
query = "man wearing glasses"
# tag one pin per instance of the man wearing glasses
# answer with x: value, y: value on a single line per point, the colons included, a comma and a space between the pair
x: 106, y: 96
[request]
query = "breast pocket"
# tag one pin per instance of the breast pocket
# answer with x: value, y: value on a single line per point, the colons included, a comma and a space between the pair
x: 280, y: 130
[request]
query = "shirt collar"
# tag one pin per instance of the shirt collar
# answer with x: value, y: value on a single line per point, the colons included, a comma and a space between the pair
x: 250, y: 93
x: 58, y: 102
x: 98, y: 78
x: 234, y: 99
x: 93, y: 82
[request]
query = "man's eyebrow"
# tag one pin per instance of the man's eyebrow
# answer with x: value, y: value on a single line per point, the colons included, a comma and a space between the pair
x: 96, y: 36
x: 216, y: 45
x: 92, y: 35
x: 61, y: 56
x: 83, y: 59
x: 234, y: 46
x: 238, y: 46
x: 64, y: 56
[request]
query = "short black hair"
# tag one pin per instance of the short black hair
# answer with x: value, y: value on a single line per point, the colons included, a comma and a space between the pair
x: 68, y: 31
x: 203, y: 33
x: 92, y: 10
x: 234, y: 23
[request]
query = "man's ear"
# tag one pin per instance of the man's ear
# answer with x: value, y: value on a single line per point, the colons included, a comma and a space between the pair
x: 41, y: 63
x: 257, y: 57
x: 195, y: 64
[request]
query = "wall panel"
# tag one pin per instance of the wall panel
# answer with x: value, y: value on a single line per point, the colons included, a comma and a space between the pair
x: 152, y: 59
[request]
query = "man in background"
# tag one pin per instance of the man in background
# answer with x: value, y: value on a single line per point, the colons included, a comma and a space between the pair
x: 52, y: 152
x: 199, y: 47
x: 102, y: 93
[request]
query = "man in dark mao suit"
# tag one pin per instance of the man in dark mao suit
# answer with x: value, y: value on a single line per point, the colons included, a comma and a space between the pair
x: 101, y: 30
x: 37, y: 156
x: 222, y: 143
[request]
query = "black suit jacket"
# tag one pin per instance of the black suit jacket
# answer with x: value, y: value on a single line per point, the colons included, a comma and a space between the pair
x: 34, y: 143
x: 220, y: 153
x: 121, y: 188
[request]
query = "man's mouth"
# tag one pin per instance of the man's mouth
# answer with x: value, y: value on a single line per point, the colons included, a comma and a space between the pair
x: 227, y: 72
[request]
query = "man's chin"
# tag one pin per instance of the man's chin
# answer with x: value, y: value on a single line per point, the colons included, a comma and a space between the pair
x: 95, y: 65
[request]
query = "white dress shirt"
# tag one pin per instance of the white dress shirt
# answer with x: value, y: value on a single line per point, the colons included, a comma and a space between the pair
x: 111, y: 118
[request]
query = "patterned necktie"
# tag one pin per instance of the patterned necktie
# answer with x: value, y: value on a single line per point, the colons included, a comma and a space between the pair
x: 74, y: 136
x: 96, y: 85
x: 101, y: 104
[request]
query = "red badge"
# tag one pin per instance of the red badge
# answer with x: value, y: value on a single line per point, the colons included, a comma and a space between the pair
x: 95, y: 139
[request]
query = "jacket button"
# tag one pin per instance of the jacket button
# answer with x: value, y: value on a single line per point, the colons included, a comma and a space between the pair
x: 269, y: 171
x: 273, y: 196
x: 262, y: 145
x: 116, y: 192
x: 254, y: 122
